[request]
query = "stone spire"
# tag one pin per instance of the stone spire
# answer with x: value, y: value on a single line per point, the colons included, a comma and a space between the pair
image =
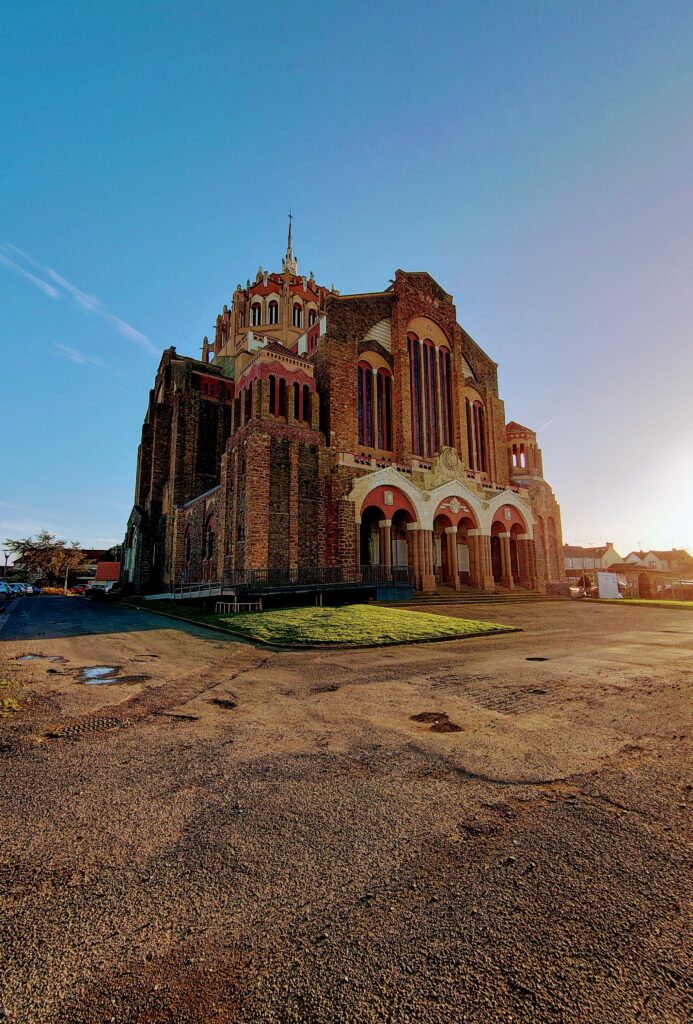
x: 290, y: 263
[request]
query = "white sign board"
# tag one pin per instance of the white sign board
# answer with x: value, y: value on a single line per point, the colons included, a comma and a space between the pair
x: 608, y: 584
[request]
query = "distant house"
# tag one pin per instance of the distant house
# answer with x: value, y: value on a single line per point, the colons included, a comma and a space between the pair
x: 106, y: 572
x: 578, y: 558
x: 676, y: 560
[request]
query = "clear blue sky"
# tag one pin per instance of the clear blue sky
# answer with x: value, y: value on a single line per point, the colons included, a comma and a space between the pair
x: 534, y: 157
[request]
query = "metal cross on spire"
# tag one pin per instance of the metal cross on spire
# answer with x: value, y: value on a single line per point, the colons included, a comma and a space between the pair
x: 290, y: 263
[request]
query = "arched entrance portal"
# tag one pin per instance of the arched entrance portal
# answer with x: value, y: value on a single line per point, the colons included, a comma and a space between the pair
x: 512, y: 562
x: 400, y: 547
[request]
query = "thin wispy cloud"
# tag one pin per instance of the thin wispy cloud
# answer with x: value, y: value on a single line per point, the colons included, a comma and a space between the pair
x: 58, y: 286
x: 46, y: 288
x: 547, y: 424
x: 81, y: 358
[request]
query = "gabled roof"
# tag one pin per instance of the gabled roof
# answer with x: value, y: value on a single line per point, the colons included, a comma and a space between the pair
x: 517, y: 428
x: 673, y: 555
x: 107, y: 572
x: 577, y: 551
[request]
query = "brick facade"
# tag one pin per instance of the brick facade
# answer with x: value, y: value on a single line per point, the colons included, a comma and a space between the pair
x: 376, y: 433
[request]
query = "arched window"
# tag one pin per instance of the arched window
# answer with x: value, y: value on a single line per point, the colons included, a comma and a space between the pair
x: 282, y: 409
x: 384, y: 403
x: 187, y: 545
x: 273, y: 312
x: 430, y: 388
x: 256, y: 314
x: 312, y: 317
x: 297, y: 315
x: 307, y: 402
x: 417, y: 438
x: 480, y: 432
x: 296, y: 388
x: 365, y: 398
x: 247, y: 404
x: 272, y: 395
x: 374, y: 407
x: 431, y: 394
x: 444, y: 362
x: 476, y: 435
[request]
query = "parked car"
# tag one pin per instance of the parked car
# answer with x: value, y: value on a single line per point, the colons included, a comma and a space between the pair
x: 108, y: 592
x: 5, y: 592
x: 80, y: 588
x: 17, y: 589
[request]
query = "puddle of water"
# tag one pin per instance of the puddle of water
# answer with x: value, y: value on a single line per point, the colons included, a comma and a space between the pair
x: 40, y: 657
x: 98, y: 674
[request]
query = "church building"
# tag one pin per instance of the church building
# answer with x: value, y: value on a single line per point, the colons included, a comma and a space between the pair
x: 338, y: 433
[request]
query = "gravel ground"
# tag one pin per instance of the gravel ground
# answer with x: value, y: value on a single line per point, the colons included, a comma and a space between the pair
x: 232, y: 834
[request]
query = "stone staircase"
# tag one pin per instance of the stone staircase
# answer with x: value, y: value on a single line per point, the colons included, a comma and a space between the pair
x: 469, y: 595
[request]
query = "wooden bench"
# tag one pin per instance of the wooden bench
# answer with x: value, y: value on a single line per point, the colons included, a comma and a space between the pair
x: 233, y: 607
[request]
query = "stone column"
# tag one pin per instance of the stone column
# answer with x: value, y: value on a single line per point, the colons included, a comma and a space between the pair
x: 385, y: 542
x: 506, y: 561
x: 428, y: 582
x: 413, y: 553
x: 453, y: 568
x: 482, y: 549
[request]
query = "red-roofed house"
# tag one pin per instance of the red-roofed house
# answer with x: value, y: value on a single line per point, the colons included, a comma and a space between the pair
x: 107, y: 573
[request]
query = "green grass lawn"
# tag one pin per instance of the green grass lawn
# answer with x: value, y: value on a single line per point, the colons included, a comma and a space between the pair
x: 356, y: 625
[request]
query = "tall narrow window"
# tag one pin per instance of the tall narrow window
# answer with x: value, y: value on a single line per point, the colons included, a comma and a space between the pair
x: 272, y: 395
x: 312, y: 317
x: 256, y: 314
x: 273, y: 312
x: 307, y: 403
x: 282, y: 397
x: 471, y: 455
x: 298, y: 315
x: 415, y: 387
x: 384, y: 418
x: 445, y: 396
x: 480, y: 436
x: 297, y: 400
x: 363, y: 374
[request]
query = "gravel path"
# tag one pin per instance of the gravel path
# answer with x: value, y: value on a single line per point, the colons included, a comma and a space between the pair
x: 232, y: 834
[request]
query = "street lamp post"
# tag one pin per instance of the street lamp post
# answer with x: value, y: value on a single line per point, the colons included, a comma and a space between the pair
x: 7, y: 555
